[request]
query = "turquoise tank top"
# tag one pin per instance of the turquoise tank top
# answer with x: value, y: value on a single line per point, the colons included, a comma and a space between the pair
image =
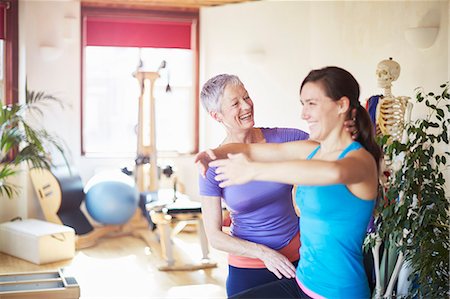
x: 333, y: 225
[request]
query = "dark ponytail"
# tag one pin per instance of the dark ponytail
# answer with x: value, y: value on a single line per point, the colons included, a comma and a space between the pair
x: 366, y: 133
x: 338, y: 83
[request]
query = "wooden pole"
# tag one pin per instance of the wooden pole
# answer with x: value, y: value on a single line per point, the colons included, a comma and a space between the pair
x: 146, y: 166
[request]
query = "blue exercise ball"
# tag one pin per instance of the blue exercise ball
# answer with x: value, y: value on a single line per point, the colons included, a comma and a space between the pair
x: 111, y: 201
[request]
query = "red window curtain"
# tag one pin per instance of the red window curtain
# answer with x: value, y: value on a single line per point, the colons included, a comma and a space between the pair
x: 127, y: 32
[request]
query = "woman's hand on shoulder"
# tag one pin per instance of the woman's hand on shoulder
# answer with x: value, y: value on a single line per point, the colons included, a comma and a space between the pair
x: 202, y: 160
x: 351, y: 125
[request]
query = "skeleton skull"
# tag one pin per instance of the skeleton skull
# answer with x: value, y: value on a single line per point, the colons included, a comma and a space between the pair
x: 387, y: 71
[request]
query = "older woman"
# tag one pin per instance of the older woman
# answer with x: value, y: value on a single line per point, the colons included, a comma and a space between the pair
x: 264, y: 241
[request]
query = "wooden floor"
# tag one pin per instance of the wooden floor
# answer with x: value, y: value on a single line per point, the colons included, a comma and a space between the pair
x: 127, y: 267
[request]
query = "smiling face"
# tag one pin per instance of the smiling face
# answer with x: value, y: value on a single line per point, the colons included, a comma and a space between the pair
x: 320, y: 112
x: 236, y: 109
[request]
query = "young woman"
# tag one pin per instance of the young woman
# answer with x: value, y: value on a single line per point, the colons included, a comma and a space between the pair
x: 338, y: 185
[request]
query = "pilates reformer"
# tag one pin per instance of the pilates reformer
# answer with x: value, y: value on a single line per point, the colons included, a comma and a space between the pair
x: 162, y: 207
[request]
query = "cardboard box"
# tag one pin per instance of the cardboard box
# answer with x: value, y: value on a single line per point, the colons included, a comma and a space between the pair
x: 37, y: 241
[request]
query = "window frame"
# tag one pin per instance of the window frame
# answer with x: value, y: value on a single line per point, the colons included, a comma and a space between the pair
x: 11, y: 51
x: 192, y: 15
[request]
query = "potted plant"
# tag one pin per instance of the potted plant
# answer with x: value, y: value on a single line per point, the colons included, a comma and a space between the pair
x: 413, y: 213
x: 22, y: 141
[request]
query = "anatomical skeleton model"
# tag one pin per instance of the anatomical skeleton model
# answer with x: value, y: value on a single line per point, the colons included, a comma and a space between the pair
x: 392, y: 114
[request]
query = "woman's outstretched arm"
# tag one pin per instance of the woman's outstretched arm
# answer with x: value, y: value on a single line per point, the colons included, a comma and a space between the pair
x: 358, y: 169
x: 263, y: 152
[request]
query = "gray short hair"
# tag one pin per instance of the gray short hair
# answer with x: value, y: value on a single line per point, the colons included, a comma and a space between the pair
x: 212, y: 90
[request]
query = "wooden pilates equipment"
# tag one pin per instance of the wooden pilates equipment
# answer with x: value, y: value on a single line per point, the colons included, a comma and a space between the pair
x: 49, y: 193
x: 51, y: 189
x: 146, y: 173
x: 38, y: 285
x: 170, y: 218
x: 163, y: 209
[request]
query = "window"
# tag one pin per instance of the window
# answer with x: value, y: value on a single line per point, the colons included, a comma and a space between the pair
x: 115, y: 44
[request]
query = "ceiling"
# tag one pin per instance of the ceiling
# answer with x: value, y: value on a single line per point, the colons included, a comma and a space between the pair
x: 176, y: 4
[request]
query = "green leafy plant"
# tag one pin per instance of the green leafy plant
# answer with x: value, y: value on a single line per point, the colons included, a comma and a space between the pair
x: 22, y: 142
x: 413, y: 214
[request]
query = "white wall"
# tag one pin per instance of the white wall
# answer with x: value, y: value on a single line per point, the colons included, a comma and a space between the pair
x: 271, y: 45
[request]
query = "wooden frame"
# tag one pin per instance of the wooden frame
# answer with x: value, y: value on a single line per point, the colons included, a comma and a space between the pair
x: 11, y: 52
